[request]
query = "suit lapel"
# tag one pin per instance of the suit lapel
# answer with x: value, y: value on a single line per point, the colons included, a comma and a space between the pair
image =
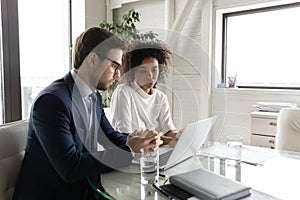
x: 78, y: 109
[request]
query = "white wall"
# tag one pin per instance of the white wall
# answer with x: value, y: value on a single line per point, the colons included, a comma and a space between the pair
x: 152, y: 13
x: 86, y: 14
x: 95, y: 12
x: 191, y: 84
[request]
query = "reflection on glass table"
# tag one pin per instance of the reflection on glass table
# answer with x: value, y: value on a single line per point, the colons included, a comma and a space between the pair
x: 272, y: 178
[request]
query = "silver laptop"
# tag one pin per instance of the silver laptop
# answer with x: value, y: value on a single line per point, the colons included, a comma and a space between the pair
x: 192, y: 137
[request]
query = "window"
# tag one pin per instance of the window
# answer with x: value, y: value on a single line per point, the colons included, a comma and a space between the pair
x: 44, y: 46
x: 262, y: 47
x: 34, y: 49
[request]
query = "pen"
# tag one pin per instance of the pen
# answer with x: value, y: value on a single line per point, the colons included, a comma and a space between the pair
x: 250, y: 163
x: 162, y: 191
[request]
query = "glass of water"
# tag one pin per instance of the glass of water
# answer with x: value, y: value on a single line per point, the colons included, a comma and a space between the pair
x: 149, y: 167
x: 234, y: 146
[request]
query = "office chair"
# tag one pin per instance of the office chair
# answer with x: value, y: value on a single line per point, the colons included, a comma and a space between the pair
x: 288, y: 130
x: 12, y: 147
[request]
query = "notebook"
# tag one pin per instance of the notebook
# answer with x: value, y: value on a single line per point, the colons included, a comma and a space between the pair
x: 193, y: 136
x: 207, y: 185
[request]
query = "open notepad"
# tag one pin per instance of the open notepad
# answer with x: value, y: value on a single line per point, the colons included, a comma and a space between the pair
x: 250, y: 155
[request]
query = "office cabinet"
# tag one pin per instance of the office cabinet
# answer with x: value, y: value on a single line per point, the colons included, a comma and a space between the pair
x: 263, y: 128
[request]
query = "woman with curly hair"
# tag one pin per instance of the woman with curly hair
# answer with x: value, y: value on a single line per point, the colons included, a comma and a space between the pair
x: 136, y: 103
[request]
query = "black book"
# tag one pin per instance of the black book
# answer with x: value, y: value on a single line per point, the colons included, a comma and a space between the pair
x: 209, y: 186
x: 176, y: 192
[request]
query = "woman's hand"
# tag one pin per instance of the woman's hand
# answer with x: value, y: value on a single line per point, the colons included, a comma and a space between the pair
x: 171, y: 137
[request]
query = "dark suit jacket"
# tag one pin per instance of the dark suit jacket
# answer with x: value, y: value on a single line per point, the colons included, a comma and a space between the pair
x: 56, y: 162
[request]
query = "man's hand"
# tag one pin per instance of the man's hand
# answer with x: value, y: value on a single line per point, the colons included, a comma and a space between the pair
x: 148, y: 139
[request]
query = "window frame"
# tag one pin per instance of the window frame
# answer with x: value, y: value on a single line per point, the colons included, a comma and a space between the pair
x: 11, y: 85
x: 224, y: 41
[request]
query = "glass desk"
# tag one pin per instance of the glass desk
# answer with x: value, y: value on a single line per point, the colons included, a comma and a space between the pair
x: 276, y: 177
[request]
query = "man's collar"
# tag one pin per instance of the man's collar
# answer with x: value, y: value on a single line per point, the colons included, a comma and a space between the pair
x: 83, y: 88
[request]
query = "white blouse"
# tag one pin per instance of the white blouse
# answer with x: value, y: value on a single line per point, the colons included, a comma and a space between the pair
x: 133, y: 109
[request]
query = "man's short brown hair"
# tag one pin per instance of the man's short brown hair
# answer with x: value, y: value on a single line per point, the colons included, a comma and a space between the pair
x: 98, y: 40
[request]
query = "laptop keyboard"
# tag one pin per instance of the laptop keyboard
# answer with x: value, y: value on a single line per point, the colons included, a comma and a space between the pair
x: 163, y: 158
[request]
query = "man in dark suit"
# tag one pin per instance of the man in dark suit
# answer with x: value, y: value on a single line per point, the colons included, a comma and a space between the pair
x: 61, y: 158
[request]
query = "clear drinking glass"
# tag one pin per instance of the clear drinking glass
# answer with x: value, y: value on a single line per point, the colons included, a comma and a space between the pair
x: 149, y: 167
x: 234, y: 146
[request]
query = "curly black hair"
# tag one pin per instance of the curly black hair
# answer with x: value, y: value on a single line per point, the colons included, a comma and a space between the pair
x: 138, y: 51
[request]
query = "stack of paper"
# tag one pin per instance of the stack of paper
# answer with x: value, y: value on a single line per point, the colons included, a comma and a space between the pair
x: 249, y: 155
x: 273, y: 106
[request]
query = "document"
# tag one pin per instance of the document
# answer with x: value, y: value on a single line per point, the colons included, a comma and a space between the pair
x: 207, y: 185
x: 250, y: 155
